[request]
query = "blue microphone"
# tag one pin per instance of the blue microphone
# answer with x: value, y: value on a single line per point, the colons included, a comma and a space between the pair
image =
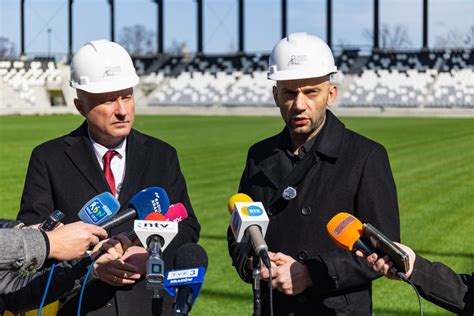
x: 152, y: 199
x: 185, y: 282
x: 99, y: 209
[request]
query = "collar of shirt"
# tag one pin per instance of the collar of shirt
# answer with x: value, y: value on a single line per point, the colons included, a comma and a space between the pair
x: 100, y: 150
x: 286, y: 146
x: 117, y: 165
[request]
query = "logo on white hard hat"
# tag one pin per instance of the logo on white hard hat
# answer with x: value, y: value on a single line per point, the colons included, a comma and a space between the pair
x: 297, y: 59
x: 112, y: 71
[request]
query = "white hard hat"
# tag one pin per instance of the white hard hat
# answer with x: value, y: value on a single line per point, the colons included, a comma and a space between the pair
x: 102, y: 66
x: 300, y: 56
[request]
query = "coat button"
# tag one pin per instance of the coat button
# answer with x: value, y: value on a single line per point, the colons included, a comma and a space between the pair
x: 302, y: 255
x: 306, y: 211
x: 270, y: 212
x: 108, y: 304
x: 18, y: 264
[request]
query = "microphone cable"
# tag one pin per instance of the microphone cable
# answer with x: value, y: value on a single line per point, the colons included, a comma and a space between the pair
x: 406, y: 280
x: 48, y: 225
x: 271, y: 289
x: 46, y: 289
x: 83, y: 287
x: 130, y: 235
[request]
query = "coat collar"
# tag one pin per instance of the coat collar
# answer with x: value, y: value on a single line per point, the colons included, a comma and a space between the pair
x: 328, y: 144
x: 81, y: 153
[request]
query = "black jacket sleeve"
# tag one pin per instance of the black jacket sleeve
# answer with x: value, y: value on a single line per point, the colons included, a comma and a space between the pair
x: 439, y: 284
x: 37, y: 198
x: 240, y: 252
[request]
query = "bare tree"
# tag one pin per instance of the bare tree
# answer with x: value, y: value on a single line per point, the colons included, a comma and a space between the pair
x: 137, y: 40
x: 456, y: 38
x: 391, y: 36
x: 178, y: 48
x: 7, y: 48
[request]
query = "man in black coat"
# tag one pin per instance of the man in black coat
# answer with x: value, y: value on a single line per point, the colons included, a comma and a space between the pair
x: 106, y: 154
x: 312, y: 170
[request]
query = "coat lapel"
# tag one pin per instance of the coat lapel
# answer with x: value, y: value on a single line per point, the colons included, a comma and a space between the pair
x: 82, y: 155
x: 137, y: 161
x: 271, y: 169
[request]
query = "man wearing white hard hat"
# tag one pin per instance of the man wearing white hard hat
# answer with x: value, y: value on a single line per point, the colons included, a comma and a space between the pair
x: 313, y: 169
x: 106, y: 154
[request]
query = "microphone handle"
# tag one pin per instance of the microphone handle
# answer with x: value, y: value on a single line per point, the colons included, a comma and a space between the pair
x: 366, y: 248
x: 184, y: 301
x: 127, y: 215
x: 259, y: 245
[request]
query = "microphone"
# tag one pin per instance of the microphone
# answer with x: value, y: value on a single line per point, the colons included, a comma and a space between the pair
x: 349, y: 233
x: 146, y: 230
x: 99, y: 209
x: 152, y: 199
x: 155, y: 236
x: 185, y: 281
x: 250, y: 219
x: 155, y: 216
x: 176, y: 213
x: 238, y: 197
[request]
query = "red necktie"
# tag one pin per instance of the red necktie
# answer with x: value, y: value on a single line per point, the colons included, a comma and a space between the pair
x: 109, y: 176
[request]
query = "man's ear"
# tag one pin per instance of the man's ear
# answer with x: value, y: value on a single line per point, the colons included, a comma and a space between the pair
x: 275, y: 94
x: 332, y: 95
x: 80, y: 106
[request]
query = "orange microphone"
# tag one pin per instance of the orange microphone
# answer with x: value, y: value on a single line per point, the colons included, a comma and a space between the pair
x: 351, y: 234
x: 347, y: 231
x: 155, y: 216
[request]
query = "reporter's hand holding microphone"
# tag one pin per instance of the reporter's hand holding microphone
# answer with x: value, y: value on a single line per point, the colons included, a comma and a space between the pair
x: 71, y: 241
x: 383, y: 264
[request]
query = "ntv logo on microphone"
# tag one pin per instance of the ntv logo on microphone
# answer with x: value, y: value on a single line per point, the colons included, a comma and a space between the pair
x: 251, y: 210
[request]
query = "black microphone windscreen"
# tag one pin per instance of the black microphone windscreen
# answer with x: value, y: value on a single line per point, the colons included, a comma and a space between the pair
x: 190, y: 256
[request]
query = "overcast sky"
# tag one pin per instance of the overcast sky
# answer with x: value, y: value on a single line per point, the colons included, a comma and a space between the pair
x: 262, y: 21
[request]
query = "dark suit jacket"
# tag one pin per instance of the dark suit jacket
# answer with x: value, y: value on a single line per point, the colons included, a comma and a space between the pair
x: 64, y: 174
x: 347, y: 173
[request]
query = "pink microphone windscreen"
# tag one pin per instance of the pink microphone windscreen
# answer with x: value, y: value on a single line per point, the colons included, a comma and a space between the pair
x: 176, y: 213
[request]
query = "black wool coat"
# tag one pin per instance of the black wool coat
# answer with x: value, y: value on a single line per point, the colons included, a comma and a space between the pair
x: 64, y: 174
x: 347, y: 173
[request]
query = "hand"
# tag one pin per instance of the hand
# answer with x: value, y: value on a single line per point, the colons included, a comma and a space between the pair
x: 136, y: 256
x: 110, y: 249
x: 289, y: 276
x: 71, y: 241
x: 263, y: 268
x: 383, y: 265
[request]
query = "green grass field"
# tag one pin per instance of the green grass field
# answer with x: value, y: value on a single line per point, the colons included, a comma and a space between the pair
x: 432, y: 161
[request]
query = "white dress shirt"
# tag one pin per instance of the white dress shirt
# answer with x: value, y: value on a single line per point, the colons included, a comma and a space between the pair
x: 117, y: 164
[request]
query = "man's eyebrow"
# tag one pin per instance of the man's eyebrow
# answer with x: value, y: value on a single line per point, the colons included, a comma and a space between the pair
x: 286, y: 89
x: 306, y: 89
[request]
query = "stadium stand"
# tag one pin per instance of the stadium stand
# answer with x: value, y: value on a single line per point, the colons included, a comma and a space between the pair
x: 426, y: 79
x: 413, y: 79
x: 346, y: 59
x: 25, y: 84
